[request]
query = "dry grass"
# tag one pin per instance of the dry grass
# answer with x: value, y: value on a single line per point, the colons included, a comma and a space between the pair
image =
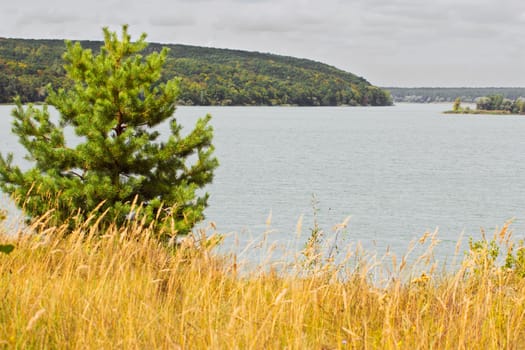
x: 124, y: 290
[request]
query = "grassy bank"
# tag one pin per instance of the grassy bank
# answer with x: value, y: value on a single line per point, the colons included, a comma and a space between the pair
x: 121, y: 289
x: 480, y: 111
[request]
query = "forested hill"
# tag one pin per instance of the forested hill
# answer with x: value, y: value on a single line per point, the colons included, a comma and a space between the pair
x: 208, y: 76
x: 466, y: 94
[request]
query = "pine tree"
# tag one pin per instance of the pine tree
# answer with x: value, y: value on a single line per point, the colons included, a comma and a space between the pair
x: 114, y: 102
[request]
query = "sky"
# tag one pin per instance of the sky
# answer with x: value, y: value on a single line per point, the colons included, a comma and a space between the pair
x: 404, y: 43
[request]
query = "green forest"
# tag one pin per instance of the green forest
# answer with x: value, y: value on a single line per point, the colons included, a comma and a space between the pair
x: 208, y: 76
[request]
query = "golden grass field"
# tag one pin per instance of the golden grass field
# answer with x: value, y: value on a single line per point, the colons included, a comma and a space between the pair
x: 121, y: 289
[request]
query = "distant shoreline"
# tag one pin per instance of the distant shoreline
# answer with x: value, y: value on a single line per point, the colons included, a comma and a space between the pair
x: 482, y: 112
x: 449, y: 94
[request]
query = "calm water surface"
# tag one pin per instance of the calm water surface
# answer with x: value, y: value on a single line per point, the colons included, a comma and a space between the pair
x: 397, y: 171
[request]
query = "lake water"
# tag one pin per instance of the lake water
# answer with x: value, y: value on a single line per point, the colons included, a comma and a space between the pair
x: 397, y: 171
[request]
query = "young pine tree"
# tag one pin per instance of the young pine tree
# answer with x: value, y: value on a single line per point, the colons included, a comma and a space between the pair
x: 114, y: 101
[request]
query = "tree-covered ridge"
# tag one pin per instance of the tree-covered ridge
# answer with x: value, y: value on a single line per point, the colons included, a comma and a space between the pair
x: 208, y: 76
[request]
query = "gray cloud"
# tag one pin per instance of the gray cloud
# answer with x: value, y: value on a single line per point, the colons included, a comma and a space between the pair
x: 47, y: 17
x: 263, y: 22
x: 172, y: 21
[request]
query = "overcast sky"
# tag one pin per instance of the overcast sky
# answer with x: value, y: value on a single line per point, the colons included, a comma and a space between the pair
x: 389, y: 42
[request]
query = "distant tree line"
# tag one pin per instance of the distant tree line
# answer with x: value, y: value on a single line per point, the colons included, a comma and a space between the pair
x: 432, y: 95
x: 207, y: 76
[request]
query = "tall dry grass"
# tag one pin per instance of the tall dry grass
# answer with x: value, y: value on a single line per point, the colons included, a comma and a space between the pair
x: 121, y: 289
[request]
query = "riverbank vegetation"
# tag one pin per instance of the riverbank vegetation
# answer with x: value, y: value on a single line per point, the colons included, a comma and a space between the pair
x: 121, y: 288
x: 493, y: 104
x: 208, y: 76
